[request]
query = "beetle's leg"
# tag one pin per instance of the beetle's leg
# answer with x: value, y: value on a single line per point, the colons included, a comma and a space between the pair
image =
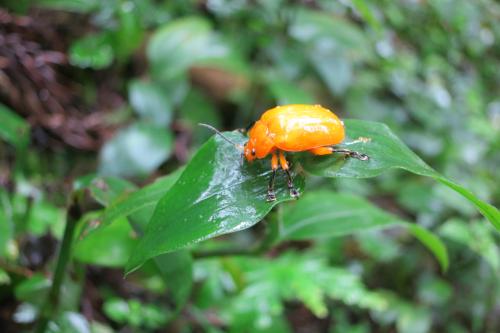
x: 350, y: 153
x: 331, y: 150
x: 321, y: 151
x: 270, y: 188
x: 284, y: 165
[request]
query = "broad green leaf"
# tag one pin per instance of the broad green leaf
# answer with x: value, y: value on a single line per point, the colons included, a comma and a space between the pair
x: 218, y: 193
x: 13, y: 128
x: 136, y: 150
x: 150, y: 102
x: 109, y: 246
x: 386, y: 152
x: 145, y: 198
x: 324, y: 214
x: 184, y: 42
x: 93, y: 51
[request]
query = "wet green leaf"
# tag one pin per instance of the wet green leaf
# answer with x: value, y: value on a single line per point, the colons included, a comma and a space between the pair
x: 217, y: 193
x: 136, y: 150
x: 150, y: 102
x: 386, y: 152
x: 13, y: 128
x: 324, y: 214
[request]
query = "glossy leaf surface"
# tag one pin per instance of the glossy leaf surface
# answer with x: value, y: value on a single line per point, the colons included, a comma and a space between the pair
x: 325, y: 214
x: 217, y: 193
x: 386, y: 152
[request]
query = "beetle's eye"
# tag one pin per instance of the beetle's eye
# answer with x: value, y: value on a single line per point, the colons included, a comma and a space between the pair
x: 253, y: 151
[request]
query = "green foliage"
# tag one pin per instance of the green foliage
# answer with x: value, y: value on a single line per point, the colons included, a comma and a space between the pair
x: 325, y: 214
x: 13, y: 128
x: 185, y: 217
x: 135, y: 313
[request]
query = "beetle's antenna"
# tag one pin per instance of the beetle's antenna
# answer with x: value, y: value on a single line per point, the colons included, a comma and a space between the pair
x: 222, y: 135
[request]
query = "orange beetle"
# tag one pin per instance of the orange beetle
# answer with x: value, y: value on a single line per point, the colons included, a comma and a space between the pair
x: 295, y: 128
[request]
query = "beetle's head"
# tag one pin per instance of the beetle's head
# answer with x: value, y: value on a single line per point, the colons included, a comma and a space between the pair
x: 249, y: 150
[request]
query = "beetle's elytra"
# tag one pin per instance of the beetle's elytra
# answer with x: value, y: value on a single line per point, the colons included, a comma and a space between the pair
x: 294, y: 128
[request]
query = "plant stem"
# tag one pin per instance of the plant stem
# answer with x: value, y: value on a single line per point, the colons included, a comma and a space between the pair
x: 51, y: 304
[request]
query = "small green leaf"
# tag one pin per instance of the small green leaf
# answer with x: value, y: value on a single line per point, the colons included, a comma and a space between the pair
x: 150, y: 102
x: 218, y: 193
x: 136, y: 150
x: 145, y: 198
x: 386, y: 151
x: 13, y: 128
x: 92, y: 51
x: 324, y: 214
